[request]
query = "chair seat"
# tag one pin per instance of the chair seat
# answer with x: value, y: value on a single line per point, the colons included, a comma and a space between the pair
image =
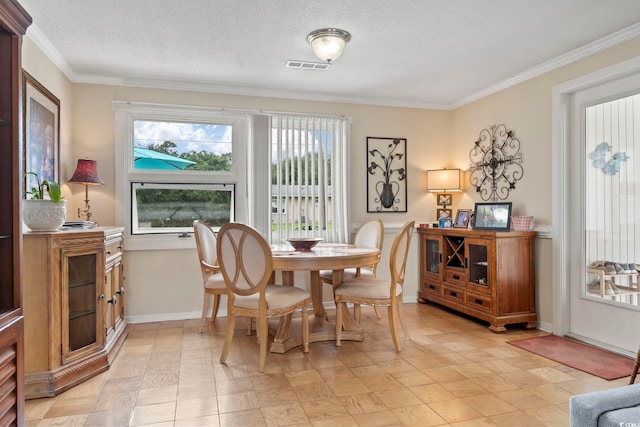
x: 277, y: 296
x: 366, y: 287
x: 349, y: 273
x: 215, y: 282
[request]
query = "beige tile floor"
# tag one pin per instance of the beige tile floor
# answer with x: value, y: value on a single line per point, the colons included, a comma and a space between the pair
x: 452, y: 372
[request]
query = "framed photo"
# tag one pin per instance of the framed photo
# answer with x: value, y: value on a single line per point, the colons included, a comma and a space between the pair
x: 492, y: 216
x: 41, y: 114
x: 443, y: 213
x: 386, y: 174
x: 443, y: 199
x: 462, y: 218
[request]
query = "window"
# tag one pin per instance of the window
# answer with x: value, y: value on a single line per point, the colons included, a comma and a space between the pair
x: 178, y: 164
x: 309, y: 177
x: 172, y: 208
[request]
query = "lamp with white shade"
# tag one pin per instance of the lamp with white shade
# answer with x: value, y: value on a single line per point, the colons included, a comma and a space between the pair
x: 443, y: 181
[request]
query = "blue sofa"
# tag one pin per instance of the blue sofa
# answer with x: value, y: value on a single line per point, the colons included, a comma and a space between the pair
x: 619, y: 407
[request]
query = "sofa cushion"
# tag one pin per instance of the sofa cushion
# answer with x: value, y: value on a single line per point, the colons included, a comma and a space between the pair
x: 585, y: 409
x: 625, y: 417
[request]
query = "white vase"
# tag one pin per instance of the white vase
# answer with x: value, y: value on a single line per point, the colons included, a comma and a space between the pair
x: 44, y: 215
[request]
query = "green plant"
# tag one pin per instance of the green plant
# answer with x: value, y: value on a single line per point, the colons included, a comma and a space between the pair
x: 52, y: 188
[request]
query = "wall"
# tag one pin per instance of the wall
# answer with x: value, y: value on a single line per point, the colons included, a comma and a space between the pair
x: 163, y: 285
x: 526, y: 108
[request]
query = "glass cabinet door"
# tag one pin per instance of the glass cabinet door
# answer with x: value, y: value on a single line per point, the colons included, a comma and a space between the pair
x: 80, y: 295
x: 433, y: 255
x: 478, y: 265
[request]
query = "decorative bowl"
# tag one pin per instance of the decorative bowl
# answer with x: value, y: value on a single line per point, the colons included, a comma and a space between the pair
x: 303, y: 244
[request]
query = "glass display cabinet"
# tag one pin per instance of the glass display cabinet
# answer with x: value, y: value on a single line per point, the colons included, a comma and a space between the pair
x: 73, y: 305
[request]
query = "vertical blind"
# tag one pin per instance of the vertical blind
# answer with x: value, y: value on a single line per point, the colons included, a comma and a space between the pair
x: 309, y: 179
x: 612, y: 181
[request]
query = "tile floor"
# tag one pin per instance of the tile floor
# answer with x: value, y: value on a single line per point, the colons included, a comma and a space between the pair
x: 453, y: 372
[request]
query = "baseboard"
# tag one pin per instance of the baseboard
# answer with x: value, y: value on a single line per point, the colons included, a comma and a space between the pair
x: 222, y: 312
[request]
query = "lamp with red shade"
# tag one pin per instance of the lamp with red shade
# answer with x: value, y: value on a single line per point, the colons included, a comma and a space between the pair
x: 86, y: 173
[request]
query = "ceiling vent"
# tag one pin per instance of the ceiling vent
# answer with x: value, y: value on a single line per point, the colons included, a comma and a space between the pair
x: 305, y: 65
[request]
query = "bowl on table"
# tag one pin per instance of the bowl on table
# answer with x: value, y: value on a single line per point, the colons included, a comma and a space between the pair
x: 303, y: 244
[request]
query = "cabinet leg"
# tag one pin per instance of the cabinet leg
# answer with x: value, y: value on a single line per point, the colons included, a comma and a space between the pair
x: 531, y: 325
x: 498, y: 329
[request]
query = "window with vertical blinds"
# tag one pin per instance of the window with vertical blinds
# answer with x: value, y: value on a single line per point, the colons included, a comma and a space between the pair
x: 309, y: 179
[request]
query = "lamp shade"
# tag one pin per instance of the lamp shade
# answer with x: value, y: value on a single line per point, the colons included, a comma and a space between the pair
x: 328, y: 43
x: 87, y: 173
x: 440, y: 180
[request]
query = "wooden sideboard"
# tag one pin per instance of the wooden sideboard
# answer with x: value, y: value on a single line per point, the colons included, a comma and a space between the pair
x: 73, y: 305
x: 484, y: 274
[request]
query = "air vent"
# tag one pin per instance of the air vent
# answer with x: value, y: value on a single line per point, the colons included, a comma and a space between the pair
x: 305, y: 65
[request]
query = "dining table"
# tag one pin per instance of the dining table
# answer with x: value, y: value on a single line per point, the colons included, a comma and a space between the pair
x: 324, y: 256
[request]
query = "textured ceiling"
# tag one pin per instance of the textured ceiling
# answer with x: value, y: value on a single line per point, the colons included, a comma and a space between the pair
x: 424, y: 53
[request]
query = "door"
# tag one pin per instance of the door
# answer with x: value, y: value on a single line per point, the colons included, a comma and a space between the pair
x: 432, y: 257
x: 604, y: 204
x: 82, y: 284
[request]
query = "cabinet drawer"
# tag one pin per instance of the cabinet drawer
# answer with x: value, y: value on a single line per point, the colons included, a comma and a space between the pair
x: 432, y: 288
x: 479, y: 302
x: 113, y: 248
x: 455, y: 276
x: 454, y: 293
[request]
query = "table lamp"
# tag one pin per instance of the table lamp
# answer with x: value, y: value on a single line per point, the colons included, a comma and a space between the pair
x: 443, y: 180
x: 86, y: 173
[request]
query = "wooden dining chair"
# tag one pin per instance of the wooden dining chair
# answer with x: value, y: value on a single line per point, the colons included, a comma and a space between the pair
x: 211, y: 276
x: 379, y: 292
x: 246, y: 262
x: 370, y: 234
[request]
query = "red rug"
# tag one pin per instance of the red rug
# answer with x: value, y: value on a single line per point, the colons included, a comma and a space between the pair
x: 591, y: 360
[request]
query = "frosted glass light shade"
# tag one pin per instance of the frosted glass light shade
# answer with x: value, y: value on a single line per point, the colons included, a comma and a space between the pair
x: 440, y: 180
x: 328, y: 43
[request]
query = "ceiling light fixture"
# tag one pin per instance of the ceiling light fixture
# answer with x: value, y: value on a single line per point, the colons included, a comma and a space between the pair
x: 328, y: 43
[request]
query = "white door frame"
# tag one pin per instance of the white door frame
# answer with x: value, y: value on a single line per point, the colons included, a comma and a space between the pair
x: 562, y: 245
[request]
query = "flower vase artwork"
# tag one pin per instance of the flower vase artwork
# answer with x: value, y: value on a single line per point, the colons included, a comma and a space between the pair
x: 391, y: 166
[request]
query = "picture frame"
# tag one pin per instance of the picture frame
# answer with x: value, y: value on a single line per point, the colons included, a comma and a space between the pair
x: 495, y: 216
x: 41, y: 132
x: 386, y: 174
x: 443, y: 213
x: 462, y: 218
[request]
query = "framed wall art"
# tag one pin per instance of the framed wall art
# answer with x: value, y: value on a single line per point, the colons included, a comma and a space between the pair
x: 386, y: 174
x: 41, y: 115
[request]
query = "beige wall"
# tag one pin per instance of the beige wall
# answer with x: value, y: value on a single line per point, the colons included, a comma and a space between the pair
x: 526, y: 109
x: 167, y: 284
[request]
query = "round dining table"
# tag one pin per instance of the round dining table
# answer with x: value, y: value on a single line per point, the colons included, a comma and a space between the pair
x: 324, y: 256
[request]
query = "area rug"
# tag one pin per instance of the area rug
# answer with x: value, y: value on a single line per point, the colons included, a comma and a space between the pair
x: 591, y: 360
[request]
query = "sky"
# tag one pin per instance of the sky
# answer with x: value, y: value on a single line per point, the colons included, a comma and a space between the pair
x: 214, y: 138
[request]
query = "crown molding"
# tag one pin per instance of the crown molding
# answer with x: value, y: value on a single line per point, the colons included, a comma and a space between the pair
x: 606, y: 42
x: 555, y: 63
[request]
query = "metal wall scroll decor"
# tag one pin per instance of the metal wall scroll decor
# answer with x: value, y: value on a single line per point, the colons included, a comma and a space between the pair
x: 386, y: 174
x: 496, y: 163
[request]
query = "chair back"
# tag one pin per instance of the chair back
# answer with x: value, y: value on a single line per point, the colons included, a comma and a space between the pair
x: 398, y: 255
x: 206, y: 245
x: 370, y: 234
x: 245, y: 259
